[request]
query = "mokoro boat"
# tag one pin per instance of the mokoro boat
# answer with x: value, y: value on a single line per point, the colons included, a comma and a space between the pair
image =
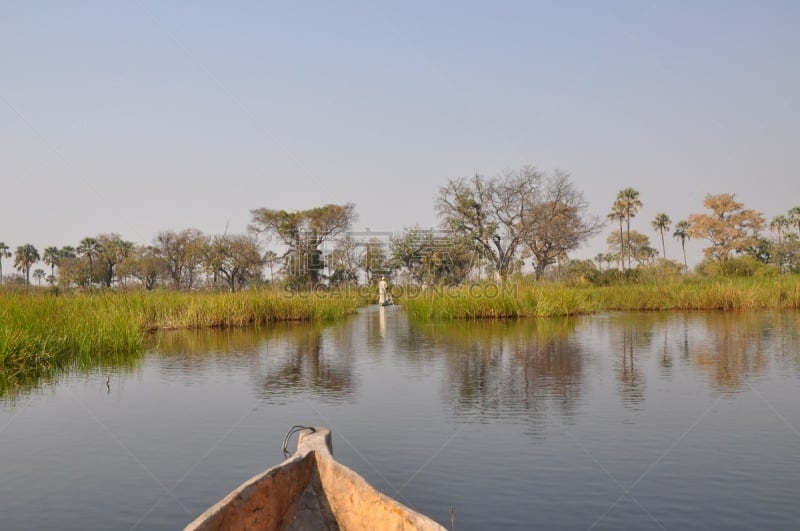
x: 310, y: 490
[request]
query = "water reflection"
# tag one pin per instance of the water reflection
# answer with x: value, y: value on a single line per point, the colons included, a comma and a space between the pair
x: 727, y: 349
x: 283, y: 360
x: 732, y: 348
x: 309, y: 360
x: 631, y: 335
x: 18, y: 382
x: 491, y: 368
x: 511, y: 368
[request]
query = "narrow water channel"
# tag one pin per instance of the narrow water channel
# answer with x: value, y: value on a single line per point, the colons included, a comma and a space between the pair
x: 613, y: 421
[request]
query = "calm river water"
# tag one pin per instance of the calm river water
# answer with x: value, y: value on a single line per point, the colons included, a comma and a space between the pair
x: 615, y: 421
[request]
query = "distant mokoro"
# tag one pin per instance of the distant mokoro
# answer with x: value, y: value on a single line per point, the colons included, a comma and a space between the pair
x: 310, y: 490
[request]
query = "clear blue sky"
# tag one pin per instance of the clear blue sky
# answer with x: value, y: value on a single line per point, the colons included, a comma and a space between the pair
x: 135, y: 117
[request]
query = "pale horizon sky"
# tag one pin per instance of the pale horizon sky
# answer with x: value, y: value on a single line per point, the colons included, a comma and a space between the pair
x: 139, y: 117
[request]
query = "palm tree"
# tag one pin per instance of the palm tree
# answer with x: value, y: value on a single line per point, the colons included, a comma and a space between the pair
x: 67, y: 252
x: 39, y: 274
x: 629, y: 202
x: 24, y: 257
x: 661, y: 224
x: 51, y: 256
x: 618, y: 214
x: 778, y: 224
x: 4, y: 253
x: 682, y: 233
x: 793, y: 217
x: 89, y: 247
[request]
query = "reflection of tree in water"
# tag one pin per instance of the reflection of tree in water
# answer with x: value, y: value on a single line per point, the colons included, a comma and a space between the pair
x: 728, y: 347
x: 307, y: 360
x: 283, y: 359
x: 512, y: 369
x: 786, y: 326
x: 735, y: 347
x: 630, y: 335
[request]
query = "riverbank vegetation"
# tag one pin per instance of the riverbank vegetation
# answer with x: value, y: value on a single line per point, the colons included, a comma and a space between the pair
x: 42, y: 332
x: 532, y: 299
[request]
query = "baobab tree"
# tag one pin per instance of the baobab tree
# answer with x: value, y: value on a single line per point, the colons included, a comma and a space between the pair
x: 660, y: 224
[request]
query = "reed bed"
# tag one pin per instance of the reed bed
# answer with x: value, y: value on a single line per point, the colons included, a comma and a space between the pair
x: 528, y: 299
x: 41, y: 333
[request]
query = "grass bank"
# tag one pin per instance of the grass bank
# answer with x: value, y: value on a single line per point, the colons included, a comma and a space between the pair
x: 550, y: 300
x: 42, y: 333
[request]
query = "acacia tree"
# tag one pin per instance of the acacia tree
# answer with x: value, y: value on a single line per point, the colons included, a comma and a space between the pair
x: 182, y: 253
x: 556, y: 222
x: 236, y: 258
x: 629, y: 203
x: 342, y: 262
x: 682, y: 233
x: 408, y: 249
x: 24, y: 257
x: 434, y: 257
x: 144, y: 264
x: 730, y: 227
x: 660, y: 224
x: 303, y: 233
x: 4, y: 253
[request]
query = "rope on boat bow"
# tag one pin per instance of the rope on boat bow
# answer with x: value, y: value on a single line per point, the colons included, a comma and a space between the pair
x: 294, y: 429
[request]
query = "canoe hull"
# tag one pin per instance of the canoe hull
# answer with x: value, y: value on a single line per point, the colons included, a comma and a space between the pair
x: 310, y: 490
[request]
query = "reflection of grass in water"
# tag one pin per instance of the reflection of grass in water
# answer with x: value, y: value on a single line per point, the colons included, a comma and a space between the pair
x: 464, y: 333
x: 527, y: 299
x: 43, y: 334
x: 224, y: 340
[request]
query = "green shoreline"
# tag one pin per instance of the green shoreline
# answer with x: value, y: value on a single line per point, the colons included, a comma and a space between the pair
x: 526, y: 299
x: 43, y: 333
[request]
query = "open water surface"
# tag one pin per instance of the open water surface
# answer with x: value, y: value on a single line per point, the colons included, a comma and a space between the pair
x: 613, y: 421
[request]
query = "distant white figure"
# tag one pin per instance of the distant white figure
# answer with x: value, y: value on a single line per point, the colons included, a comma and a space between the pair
x: 382, y: 291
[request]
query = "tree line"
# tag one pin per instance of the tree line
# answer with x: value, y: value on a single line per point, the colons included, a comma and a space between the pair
x: 730, y: 229
x: 489, y: 227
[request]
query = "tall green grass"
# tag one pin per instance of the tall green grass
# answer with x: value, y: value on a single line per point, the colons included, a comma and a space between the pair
x: 42, y: 333
x: 529, y: 299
